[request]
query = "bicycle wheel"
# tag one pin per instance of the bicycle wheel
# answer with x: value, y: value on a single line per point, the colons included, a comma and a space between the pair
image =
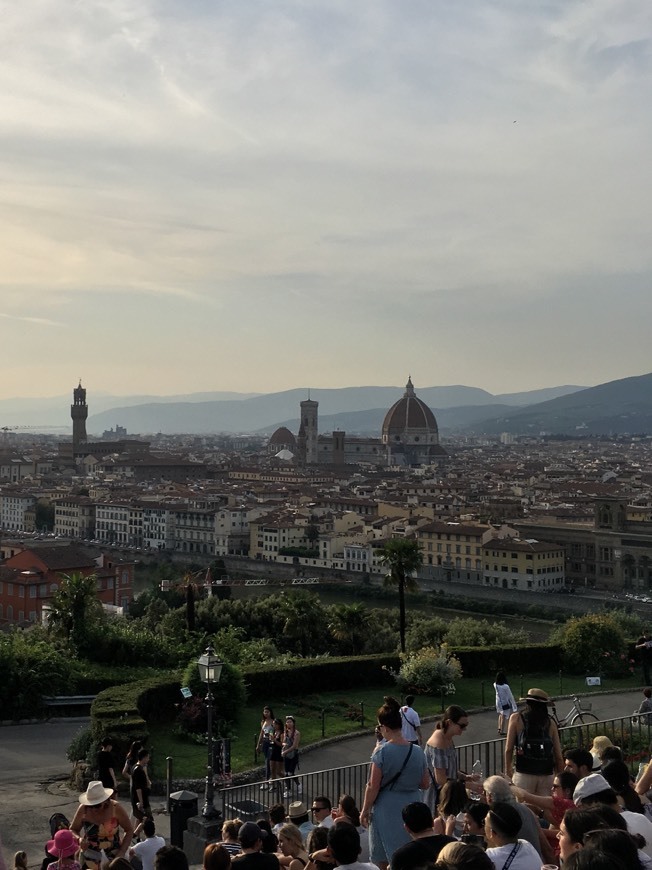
x: 583, y: 718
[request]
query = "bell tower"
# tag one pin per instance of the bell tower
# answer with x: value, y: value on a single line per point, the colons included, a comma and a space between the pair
x: 309, y: 421
x: 79, y: 413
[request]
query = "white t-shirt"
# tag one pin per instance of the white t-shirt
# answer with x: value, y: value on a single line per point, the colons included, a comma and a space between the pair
x: 409, y: 723
x: 526, y: 858
x: 147, y: 850
x: 637, y: 823
x: 327, y: 822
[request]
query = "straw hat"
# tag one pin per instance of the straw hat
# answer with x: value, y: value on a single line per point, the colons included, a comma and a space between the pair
x: 297, y: 809
x: 537, y: 695
x: 95, y: 794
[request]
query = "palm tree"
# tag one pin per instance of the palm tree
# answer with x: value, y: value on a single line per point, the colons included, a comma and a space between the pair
x: 403, y: 557
x: 74, y: 607
x: 348, y: 625
x: 303, y: 620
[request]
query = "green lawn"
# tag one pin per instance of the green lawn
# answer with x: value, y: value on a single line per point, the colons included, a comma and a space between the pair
x: 342, y: 716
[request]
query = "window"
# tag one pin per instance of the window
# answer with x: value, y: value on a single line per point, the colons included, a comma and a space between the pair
x: 21, y: 591
x: 32, y: 591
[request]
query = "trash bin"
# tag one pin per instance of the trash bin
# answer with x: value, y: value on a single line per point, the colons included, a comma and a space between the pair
x: 183, y: 806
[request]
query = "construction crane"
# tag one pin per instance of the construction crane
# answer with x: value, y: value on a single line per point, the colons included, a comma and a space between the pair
x: 7, y: 429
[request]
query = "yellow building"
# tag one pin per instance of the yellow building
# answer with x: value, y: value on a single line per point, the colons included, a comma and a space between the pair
x: 511, y: 563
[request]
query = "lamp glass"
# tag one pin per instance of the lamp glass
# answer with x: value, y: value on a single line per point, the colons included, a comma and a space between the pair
x: 210, y: 667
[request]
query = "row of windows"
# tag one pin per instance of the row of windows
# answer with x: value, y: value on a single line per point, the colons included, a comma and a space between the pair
x: 21, y: 614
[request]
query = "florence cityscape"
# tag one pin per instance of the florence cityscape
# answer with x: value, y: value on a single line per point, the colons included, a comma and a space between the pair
x: 326, y: 392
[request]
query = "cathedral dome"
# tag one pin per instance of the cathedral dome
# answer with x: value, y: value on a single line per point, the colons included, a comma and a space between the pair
x: 282, y: 438
x: 410, y: 421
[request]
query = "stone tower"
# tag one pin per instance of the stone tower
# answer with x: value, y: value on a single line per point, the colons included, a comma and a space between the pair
x: 79, y: 413
x: 311, y: 429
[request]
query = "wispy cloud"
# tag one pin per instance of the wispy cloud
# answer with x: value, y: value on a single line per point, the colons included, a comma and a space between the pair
x: 39, y: 321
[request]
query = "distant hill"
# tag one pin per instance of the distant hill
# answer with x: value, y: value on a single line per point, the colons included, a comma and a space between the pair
x: 617, y: 407
x: 259, y: 412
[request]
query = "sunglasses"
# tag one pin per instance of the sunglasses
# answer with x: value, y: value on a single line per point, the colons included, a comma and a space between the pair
x: 317, y: 809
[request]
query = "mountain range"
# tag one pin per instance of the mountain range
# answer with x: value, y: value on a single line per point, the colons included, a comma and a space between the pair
x: 618, y: 406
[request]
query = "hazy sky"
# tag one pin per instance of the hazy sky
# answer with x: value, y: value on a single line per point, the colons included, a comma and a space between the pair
x: 253, y: 196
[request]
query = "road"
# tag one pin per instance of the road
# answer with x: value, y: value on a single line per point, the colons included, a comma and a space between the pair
x: 35, y: 769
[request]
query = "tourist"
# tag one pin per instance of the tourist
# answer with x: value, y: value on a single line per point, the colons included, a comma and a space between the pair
x: 620, y: 847
x: 132, y: 759
x: 398, y: 771
x: 277, y: 817
x: 20, y: 858
x: 264, y: 744
x: 298, y: 815
x: 501, y: 829
x: 344, y: 846
x: 119, y: 864
x: 229, y: 839
x: 140, y: 789
x: 270, y: 842
x: 425, y: 844
x: 595, y: 790
x: 579, y: 762
x: 170, y: 858
x: 291, y: 845
x: 598, y: 746
x: 347, y: 811
x: 275, y: 756
x: 644, y: 643
x: 99, y: 820
x: 577, y: 823
x: 290, y: 755
x: 411, y: 727
x: 147, y: 850
x: 216, y: 857
x: 105, y: 764
x: 617, y: 775
x: 505, y: 703
x: 463, y: 856
x: 322, y: 812
x: 452, y: 802
x: 534, y: 737
x: 317, y: 848
x: 473, y: 828
x: 252, y: 858
x: 554, y: 805
x: 441, y: 754
x: 499, y: 790
x: 64, y: 846
x: 645, y: 708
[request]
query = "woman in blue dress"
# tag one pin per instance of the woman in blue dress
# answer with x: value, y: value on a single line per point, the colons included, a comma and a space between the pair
x: 398, y: 772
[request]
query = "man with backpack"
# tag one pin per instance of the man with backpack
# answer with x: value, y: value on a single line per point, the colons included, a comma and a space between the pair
x: 410, y: 722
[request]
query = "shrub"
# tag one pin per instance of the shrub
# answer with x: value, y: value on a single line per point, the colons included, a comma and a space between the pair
x: 481, y: 632
x: 485, y: 661
x: 229, y: 696
x: 593, y: 644
x: 330, y: 674
x: 81, y: 745
x: 31, y: 667
x: 427, y: 671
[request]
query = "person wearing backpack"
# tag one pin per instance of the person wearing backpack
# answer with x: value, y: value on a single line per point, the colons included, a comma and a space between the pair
x: 532, y: 748
x: 411, y: 724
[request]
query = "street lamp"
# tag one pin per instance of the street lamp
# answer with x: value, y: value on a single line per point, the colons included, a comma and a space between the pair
x: 210, y: 671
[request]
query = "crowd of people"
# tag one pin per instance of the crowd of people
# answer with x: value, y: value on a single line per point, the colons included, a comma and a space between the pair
x: 548, y: 808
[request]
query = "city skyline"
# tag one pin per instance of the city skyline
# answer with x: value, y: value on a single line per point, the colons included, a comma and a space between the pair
x: 252, y: 197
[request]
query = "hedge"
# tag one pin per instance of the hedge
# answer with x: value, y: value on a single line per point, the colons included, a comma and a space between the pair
x: 323, y: 675
x: 121, y: 712
x: 485, y: 661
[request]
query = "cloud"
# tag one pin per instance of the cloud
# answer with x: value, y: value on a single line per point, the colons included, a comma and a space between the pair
x: 255, y: 168
x: 39, y: 321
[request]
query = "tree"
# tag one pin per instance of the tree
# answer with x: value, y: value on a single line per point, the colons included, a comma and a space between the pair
x: 593, y: 644
x: 304, y: 621
x: 348, y: 625
x: 403, y: 558
x: 75, y: 607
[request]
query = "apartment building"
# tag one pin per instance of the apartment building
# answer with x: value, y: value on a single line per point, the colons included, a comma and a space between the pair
x: 192, y: 531
x: 453, y: 551
x: 74, y: 517
x: 13, y: 506
x: 529, y: 564
x: 232, y: 531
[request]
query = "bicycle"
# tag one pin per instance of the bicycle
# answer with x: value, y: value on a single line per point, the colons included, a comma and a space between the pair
x: 576, y: 715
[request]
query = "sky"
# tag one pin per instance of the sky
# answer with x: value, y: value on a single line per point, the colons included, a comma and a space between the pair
x: 253, y: 195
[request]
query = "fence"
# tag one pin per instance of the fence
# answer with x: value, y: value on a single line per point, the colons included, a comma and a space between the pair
x: 251, y: 801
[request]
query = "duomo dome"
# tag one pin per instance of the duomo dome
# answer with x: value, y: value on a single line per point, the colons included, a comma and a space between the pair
x: 410, y: 430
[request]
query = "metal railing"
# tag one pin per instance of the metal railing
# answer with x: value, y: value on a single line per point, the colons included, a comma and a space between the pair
x: 252, y: 800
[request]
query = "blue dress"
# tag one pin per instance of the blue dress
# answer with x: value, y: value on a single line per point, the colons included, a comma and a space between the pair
x: 386, y: 832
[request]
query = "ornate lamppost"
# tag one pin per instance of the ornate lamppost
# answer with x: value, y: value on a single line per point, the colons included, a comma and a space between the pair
x: 210, y: 671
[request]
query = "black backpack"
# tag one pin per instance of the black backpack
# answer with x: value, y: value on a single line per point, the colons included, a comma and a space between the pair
x: 534, y: 750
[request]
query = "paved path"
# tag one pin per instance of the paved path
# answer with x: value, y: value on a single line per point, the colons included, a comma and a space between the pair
x: 34, y: 770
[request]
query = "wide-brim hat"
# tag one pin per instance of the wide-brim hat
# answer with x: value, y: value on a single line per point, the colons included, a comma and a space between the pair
x: 297, y: 809
x: 537, y: 695
x: 64, y: 844
x: 95, y: 794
